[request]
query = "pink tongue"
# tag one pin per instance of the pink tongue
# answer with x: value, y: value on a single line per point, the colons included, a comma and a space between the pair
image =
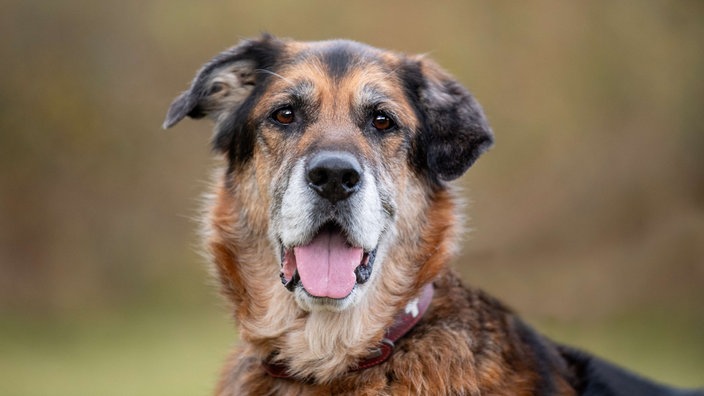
x: 326, y: 265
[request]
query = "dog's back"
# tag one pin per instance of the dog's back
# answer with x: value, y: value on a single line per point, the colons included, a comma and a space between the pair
x: 597, y: 377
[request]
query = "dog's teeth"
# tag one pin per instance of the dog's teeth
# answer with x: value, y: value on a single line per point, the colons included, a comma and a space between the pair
x: 291, y: 284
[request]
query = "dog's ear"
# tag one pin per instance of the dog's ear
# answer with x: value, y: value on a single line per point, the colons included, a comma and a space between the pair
x: 454, y: 131
x: 223, y: 84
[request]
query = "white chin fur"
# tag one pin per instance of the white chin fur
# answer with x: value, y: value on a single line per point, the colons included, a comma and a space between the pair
x: 309, y: 303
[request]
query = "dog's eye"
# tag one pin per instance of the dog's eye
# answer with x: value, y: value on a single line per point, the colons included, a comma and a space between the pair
x: 382, y: 122
x: 284, y: 115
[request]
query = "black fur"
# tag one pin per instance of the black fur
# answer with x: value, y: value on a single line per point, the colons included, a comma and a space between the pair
x: 596, y: 377
x: 235, y: 136
x: 339, y: 60
x: 546, y: 359
x: 454, y: 132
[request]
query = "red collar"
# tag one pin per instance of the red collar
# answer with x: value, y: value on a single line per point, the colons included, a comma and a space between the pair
x: 404, y: 322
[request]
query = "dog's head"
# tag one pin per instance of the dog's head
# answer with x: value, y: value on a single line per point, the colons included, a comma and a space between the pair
x: 345, y: 143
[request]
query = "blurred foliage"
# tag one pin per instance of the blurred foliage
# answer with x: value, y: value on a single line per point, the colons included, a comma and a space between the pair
x: 588, y: 214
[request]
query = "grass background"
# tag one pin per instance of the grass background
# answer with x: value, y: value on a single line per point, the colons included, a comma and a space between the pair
x: 587, y: 216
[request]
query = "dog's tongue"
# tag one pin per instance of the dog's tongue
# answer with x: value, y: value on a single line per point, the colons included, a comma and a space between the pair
x: 326, y: 265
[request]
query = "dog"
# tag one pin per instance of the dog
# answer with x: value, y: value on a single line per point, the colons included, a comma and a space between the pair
x: 332, y: 222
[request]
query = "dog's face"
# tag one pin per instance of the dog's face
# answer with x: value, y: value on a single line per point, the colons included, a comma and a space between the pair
x: 334, y: 135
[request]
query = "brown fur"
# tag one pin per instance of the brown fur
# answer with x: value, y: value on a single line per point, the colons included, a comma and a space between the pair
x: 466, y: 344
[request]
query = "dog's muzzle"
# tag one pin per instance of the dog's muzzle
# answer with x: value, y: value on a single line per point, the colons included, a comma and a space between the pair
x: 329, y: 266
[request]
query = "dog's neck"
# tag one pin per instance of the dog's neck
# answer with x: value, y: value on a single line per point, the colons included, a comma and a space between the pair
x: 318, y: 344
x: 403, y: 323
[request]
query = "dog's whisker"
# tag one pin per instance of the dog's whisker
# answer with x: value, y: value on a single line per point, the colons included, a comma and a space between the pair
x: 275, y: 75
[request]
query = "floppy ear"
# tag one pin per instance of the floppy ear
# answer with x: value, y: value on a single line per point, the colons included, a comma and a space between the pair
x: 455, y: 131
x: 224, y: 83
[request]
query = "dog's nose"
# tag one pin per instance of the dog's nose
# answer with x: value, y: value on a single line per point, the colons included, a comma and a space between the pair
x: 334, y: 175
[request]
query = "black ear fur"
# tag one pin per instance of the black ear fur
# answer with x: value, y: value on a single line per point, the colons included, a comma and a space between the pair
x: 249, y: 56
x: 455, y: 131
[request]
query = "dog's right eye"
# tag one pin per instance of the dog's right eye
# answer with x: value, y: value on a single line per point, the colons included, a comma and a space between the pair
x: 284, y: 115
x: 382, y: 122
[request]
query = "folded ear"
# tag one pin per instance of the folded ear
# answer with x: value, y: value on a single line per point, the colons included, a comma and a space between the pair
x: 455, y: 131
x: 225, y: 82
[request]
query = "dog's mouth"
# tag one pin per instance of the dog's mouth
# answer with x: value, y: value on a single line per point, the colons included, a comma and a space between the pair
x: 328, y: 266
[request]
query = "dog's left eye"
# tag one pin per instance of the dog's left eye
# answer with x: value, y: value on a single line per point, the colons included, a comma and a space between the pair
x: 284, y: 115
x: 382, y: 121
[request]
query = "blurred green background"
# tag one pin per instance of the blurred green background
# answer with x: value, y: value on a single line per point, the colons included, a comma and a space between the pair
x: 587, y: 216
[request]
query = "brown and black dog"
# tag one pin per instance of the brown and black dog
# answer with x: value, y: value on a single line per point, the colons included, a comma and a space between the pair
x: 338, y: 157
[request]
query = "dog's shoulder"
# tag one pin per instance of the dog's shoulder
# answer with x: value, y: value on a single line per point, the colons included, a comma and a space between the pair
x: 483, y: 343
x: 502, y: 349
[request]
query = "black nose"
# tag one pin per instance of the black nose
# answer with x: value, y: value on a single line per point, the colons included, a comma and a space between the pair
x: 334, y: 175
